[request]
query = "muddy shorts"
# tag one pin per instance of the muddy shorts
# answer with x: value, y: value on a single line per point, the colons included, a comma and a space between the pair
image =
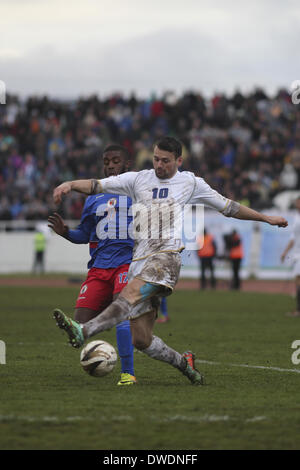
x: 161, y: 273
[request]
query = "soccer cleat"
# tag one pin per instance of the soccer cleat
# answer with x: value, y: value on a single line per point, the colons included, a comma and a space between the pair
x: 190, y: 372
x: 127, y: 379
x: 71, y: 327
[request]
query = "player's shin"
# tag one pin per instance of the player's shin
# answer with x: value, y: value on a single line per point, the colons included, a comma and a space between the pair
x: 162, y: 352
x: 115, y: 313
x: 125, y: 347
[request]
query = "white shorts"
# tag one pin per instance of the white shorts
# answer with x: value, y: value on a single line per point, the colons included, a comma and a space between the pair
x: 161, y: 270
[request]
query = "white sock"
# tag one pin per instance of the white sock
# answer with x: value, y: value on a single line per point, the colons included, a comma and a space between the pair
x: 115, y: 313
x: 162, y: 352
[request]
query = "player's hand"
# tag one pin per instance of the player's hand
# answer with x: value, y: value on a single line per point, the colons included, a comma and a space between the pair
x: 282, y: 257
x: 57, y: 224
x: 60, y: 191
x: 279, y: 221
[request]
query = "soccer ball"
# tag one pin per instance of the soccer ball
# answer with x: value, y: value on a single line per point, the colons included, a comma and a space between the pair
x: 98, y: 358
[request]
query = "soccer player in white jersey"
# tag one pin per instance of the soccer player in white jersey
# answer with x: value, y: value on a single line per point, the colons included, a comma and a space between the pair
x: 295, y: 244
x: 155, y: 267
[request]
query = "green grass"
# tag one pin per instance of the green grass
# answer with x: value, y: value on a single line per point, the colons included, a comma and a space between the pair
x: 48, y: 402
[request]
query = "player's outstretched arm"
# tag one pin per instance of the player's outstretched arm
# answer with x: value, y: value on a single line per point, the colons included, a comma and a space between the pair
x: 80, y: 186
x: 245, y: 213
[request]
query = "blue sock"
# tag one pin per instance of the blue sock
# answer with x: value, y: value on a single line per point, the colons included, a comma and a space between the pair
x: 164, y: 307
x: 125, y: 347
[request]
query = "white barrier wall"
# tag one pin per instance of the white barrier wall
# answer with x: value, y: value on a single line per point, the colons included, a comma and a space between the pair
x: 17, y: 254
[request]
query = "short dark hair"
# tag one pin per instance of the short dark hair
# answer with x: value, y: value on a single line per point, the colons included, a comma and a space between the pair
x: 170, y: 144
x: 118, y: 148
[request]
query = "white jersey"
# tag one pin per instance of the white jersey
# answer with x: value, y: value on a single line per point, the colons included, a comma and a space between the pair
x: 158, y: 206
x: 296, y: 236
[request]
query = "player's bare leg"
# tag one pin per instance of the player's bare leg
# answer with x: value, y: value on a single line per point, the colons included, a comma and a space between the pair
x: 119, y: 310
x: 141, y: 330
x: 136, y: 291
x: 83, y: 315
x: 144, y: 340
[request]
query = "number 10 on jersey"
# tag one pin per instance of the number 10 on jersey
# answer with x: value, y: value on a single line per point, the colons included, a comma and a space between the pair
x: 160, y: 193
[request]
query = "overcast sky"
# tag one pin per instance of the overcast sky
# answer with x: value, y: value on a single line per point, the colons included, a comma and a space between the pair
x: 68, y: 48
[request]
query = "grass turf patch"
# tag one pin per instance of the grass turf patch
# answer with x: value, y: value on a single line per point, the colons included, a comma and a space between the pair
x: 48, y: 402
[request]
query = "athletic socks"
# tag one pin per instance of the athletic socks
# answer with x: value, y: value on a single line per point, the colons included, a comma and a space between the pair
x: 164, y: 307
x: 162, y: 352
x: 119, y: 311
x: 115, y: 313
x: 125, y: 347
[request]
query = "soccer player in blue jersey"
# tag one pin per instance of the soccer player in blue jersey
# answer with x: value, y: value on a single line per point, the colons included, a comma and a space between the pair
x: 110, y: 255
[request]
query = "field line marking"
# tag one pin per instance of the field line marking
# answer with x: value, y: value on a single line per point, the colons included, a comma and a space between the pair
x: 278, y: 369
x: 203, y: 361
x: 207, y: 418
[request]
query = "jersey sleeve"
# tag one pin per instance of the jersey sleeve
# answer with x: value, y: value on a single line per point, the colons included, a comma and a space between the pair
x: 122, y: 184
x: 204, y: 194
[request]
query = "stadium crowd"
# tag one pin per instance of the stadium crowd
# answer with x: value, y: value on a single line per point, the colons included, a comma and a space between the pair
x: 247, y: 147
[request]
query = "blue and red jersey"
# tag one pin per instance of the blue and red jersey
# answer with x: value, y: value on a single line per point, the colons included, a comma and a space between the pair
x: 105, y: 225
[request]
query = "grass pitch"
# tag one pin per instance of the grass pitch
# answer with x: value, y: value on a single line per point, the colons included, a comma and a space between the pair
x: 243, y: 345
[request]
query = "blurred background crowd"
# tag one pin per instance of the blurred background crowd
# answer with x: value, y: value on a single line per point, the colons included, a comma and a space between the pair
x: 247, y: 147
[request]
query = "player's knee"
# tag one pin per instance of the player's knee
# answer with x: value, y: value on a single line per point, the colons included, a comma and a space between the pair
x: 142, y: 342
x: 130, y: 292
x: 83, y: 315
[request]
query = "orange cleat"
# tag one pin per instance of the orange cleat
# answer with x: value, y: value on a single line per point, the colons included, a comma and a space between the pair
x: 163, y: 319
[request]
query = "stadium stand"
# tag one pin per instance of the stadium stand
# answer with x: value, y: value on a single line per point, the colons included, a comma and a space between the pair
x: 245, y: 146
